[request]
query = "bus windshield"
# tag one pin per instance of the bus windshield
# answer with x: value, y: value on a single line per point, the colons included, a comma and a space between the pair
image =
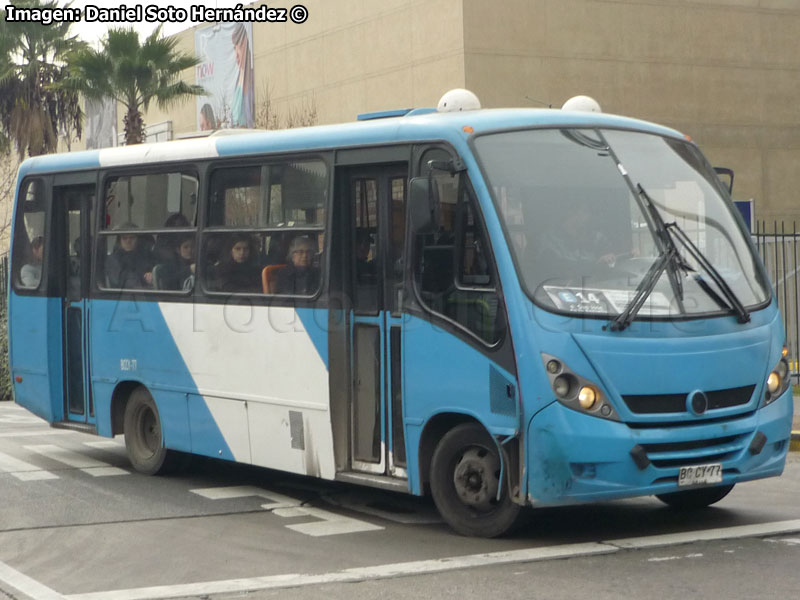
x: 585, y: 211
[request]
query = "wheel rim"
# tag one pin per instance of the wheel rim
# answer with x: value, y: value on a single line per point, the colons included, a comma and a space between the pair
x: 476, y: 478
x: 149, y: 430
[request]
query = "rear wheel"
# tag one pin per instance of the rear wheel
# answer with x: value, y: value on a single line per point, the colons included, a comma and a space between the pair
x: 143, y: 434
x: 697, y: 498
x: 465, y: 478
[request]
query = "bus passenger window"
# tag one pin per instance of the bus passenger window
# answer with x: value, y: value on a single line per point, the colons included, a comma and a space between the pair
x: 30, y: 238
x: 135, y: 251
x: 265, y: 228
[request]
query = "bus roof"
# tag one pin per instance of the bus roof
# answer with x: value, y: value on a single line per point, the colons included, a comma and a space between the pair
x: 419, y: 126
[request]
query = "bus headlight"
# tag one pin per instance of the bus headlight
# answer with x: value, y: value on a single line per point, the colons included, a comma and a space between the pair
x: 587, y: 397
x: 778, y: 380
x: 576, y: 392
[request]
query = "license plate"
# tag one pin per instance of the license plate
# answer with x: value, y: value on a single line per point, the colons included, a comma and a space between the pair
x: 700, y: 475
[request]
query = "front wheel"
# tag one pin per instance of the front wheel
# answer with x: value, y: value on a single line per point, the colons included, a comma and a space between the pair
x: 465, y: 477
x: 143, y: 439
x: 695, y: 499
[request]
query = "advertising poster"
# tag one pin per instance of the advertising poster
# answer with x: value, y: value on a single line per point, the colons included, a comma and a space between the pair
x: 101, y: 123
x: 226, y: 71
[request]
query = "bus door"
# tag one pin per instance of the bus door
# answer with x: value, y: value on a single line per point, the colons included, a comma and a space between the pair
x: 73, y: 204
x: 376, y: 198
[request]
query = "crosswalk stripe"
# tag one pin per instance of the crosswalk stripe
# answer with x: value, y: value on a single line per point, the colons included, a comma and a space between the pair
x: 104, y: 444
x: 86, y: 464
x: 22, y: 470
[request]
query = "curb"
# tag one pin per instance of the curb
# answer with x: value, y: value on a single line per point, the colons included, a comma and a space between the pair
x: 794, y: 444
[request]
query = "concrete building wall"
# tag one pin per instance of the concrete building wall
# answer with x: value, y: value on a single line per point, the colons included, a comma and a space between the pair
x: 349, y: 57
x: 725, y: 72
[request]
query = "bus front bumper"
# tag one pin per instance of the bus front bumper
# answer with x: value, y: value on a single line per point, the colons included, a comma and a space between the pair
x: 574, y: 457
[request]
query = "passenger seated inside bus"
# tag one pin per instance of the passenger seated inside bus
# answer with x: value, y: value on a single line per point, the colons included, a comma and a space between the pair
x: 238, y: 270
x: 165, y: 243
x: 366, y: 273
x: 177, y: 268
x: 300, y: 276
x: 130, y: 264
x: 31, y: 273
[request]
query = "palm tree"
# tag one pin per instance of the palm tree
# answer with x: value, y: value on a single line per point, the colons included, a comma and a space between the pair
x: 32, y: 63
x: 132, y: 73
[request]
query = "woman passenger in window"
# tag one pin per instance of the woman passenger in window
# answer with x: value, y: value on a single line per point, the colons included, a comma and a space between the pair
x: 300, y: 277
x: 238, y: 271
x: 130, y: 264
x: 174, y: 273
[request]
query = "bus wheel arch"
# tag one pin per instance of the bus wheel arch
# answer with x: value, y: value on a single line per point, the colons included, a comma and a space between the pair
x: 465, y: 478
x: 144, y: 440
x: 434, y: 430
x: 119, y: 399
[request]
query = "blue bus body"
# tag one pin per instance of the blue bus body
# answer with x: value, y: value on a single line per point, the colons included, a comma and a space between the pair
x: 267, y: 383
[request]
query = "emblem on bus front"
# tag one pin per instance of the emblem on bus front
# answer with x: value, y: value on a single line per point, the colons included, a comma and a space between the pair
x: 697, y: 402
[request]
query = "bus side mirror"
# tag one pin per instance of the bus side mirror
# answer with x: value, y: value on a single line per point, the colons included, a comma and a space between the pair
x: 423, y: 204
x: 726, y: 177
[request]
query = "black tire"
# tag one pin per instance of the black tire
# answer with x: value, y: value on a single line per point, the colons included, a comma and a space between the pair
x: 697, y: 498
x: 465, y: 472
x: 143, y: 438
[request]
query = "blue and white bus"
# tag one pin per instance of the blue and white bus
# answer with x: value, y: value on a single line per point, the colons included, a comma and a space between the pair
x: 501, y: 308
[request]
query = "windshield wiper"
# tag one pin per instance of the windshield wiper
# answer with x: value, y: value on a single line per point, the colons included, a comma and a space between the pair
x: 666, y: 246
x: 734, y: 303
x: 669, y: 260
x: 645, y: 288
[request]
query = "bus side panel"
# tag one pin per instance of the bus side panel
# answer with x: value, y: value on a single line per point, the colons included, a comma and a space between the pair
x: 35, y: 354
x: 130, y: 341
x: 444, y: 374
x: 260, y: 378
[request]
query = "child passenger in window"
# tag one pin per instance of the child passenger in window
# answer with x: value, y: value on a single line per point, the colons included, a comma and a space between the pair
x: 238, y: 271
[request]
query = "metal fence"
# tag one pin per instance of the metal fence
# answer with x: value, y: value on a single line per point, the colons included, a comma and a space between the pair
x: 778, y: 244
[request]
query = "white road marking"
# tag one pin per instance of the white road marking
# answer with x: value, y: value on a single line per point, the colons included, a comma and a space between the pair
x: 86, y: 464
x: 328, y: 523
x: 26, y: 585
x: 42, y: 431
x: 722, y: 533
x: 230, y: 586
x: 22, y: 418
x: 350, y: 575
x: 787, y: 541
x: 22, y: 470
x: 104, y: 444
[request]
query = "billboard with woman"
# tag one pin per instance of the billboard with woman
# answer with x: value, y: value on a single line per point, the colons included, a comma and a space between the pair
x: 226, y: 50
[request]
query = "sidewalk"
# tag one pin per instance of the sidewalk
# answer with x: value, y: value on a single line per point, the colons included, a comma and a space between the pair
x: 796, y: 419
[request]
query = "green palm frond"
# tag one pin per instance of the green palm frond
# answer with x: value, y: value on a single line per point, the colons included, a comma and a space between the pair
x: 134, y: 73
x: 32, y: 61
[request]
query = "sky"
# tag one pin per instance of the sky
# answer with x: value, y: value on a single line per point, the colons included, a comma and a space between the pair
x: 93, y: 32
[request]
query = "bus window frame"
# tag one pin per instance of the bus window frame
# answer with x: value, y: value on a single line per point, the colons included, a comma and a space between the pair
x: 265, y: 160
x: 419, y: 170
x: 105, y: 175
x: 45, y: 287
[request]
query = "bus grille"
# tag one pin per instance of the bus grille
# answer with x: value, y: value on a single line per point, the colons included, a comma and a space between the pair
x: 676, y: 403
x: 695, y: 452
